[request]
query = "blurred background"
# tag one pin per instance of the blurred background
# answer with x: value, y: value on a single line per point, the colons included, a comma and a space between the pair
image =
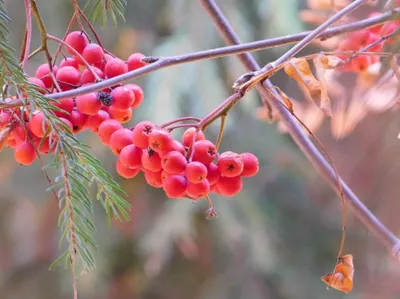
x: 273, y: 240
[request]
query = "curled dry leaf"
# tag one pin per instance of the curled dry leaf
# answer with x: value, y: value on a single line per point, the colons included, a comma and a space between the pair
x: 314, y: 89
x: 341, y: 278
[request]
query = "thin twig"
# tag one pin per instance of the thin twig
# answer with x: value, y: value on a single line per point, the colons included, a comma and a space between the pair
x: 265, y: 72
x: 372, y: 223
x: 224, y: 51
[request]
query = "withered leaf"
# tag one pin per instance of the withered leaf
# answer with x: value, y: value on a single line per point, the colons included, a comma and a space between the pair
x: 341, y: 278
x: 315, y: 91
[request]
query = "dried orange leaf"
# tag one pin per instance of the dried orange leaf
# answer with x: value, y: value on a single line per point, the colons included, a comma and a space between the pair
x: 315, y: 91
x: 320, y: 63
x: 288, y: 103
x: 341, y: 278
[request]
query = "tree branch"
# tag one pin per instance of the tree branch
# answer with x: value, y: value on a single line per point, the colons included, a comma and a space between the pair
x: 224, y: 51
x: 252, y: 78
x: 372, y: 223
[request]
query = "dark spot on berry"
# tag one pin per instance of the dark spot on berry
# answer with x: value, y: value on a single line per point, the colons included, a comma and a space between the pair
x: 105, y: 98
x: 151, y: 152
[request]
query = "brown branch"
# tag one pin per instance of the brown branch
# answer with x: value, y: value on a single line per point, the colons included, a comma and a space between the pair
x: 225, y: 51
x: 372, y: 223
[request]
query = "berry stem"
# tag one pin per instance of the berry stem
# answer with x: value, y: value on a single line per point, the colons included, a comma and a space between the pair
x: 221, y: 131
x: 28, y: 34
x: 76, y: 53
x: 43, y: 33
x: 180, y: 120
x: 372, y: 223
x: 192, y: 125
x: 59, y: 48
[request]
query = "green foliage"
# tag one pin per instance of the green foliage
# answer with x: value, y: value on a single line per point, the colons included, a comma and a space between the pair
x: 98, y: 10
x: 78, y: 169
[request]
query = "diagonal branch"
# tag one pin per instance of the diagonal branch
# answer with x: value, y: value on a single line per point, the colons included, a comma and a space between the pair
x: 258, y: 76
x: 219, y: 52
x: 372, y: 223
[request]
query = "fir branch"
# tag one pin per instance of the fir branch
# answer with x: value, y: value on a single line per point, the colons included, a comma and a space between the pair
x: 78, y: 168
x: 99, y: 10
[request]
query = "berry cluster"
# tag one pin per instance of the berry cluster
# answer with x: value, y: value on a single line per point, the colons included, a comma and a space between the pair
x: 363, y: 38
x: 88, y: 64
x: 183, y: 169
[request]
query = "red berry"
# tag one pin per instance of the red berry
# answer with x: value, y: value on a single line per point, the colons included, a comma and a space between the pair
x: 88, y: 103
x: 251, y: 166
x: 39, y: 83
x: 88, y: 77
x: 5, y: 118
x: 141, y: 133
x: 377, y: 28
x: 93, y: 54
x: 174, y: 162
x: 175, y: 186
x: 78, y: 121
x: 229, y: 186
x: 131, y: 156
x: 230, y: 164
x: 138, y: 91
x: 160, y: 140
x: 134, y: 61
x: 196, y: 172
x: 115, y: 67
x: 175, y: 146
x: 25, y: 153
x: 204, y: 151
x: 18, y: 134
x: 198, y: 190
x: 43, y: 146
x: 66, y: 105
x: 68, y: 77
x: 125, y: 172
x: 153, y: 178
x: 77, y: 40
x: 94, y: 121
x: 188, y: 136
x: 43, y: 73
x: 151, y: 160
x: 68, y: 124
x: 361, y: 63
x: 119, y: 139
x: 122, y: 97
x: 106, y: 129
x: 123, y: 116
x: 372, y: 39
x: 69, y: 62
x: 38, y: 125
x: 213, y: 173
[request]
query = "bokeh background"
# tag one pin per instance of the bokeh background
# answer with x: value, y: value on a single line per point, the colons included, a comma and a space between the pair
x: 273, y: 240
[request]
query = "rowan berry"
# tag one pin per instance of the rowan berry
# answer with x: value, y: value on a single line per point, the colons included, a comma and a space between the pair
x: 119, y: 139
x: 106, y: 129
x: 196, y: 172
x: 174, y: 162
x: 230, y: 164
x: 175, y: 186
x: 77, y: 40
x: 88, y: 103
x: 141, y: 133
x: 250, y: 165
